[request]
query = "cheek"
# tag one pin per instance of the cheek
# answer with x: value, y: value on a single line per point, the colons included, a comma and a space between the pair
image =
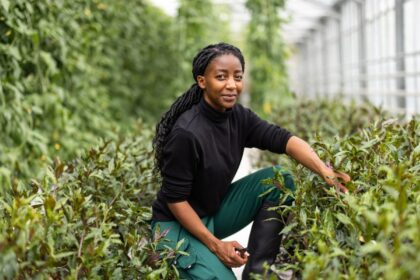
x: 239, y: 87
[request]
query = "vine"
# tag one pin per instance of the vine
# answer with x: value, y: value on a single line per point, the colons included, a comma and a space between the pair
x: 267, y: 54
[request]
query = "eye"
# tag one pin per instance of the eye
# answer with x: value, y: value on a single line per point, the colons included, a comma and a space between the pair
x: 220, y: 77
x: 238, y: 78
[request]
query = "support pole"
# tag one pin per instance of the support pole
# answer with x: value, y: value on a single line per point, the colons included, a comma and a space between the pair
x: 324, y: 65
x: 340, y: 48
x: 400, y: 50
x: 361, y: 11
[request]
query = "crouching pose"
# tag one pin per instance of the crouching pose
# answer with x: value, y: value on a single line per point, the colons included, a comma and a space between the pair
x: 198, y: 146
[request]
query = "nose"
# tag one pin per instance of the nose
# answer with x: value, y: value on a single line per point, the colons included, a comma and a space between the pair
x: 231, y: 84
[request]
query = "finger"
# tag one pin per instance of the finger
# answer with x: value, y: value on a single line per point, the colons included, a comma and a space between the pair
x: 238, y: 260
x: 342, y: 188
x: 231, y: 253
x: 331, y: 180
x: 236, y: 245
x: 346, y: 178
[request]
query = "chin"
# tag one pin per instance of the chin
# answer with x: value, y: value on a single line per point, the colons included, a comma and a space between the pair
x: 229, y: 105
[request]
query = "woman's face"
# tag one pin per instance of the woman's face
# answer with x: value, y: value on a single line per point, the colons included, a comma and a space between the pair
x: 222, y: 82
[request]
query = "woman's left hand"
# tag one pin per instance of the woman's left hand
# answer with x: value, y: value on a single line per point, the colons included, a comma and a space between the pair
x: 336, y: 178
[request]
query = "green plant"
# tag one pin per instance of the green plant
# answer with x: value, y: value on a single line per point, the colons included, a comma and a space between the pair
x: 267, y: 54
x: 72, y: 72
x: 86, y: 219
x: 371, y: 232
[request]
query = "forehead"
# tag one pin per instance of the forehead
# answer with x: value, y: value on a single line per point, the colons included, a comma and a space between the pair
x: 225, y: 62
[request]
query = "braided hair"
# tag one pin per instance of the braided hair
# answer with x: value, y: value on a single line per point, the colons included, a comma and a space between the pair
x: 192, y: 96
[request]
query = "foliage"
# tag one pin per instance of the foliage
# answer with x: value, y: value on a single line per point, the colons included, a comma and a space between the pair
x: 199, y: 23
x: 86, y: 219
x: 74, y: 71
x: 327, y: 117
x: 322, y: 119
x: 267, y: 54
x: 140, y: 58
x: 372, y: 232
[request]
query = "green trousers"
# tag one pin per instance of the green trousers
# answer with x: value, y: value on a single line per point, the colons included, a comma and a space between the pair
x: 239, y: 207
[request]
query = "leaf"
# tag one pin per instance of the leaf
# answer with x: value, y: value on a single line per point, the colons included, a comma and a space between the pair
x: 49, y: 61
x: 338, y: 252
x: 303, y: 216
x: 288, y: 228
x: 155, y: 275
x: 416, y: 151
x: 267, y: 192
x: 5, y: 4
x: 64, y: 255
x: 343, y: 218
x: 12, y: 51
x: 373, y: 247
x: 6, y: 206
x: 369, y: 144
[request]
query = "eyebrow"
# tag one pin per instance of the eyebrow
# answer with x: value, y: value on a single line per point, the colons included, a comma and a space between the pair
x: 225, y: 70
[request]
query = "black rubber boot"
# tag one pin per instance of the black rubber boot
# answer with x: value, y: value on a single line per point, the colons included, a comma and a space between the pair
x: 264, y: 240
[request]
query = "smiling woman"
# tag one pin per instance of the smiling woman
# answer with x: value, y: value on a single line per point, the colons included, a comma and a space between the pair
x: 222, y: 82
x: 198, y: 146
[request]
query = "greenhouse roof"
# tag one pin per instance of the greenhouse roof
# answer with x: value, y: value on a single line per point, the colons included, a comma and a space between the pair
x: 304, y: 15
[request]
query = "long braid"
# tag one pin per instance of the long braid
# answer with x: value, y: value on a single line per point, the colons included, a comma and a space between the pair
x: 192, y: 96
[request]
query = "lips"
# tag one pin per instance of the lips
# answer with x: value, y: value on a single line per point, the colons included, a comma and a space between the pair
x: 229, y: 97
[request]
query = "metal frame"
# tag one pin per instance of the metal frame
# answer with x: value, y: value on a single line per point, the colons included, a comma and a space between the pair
x: 400, y: 61
x: 379, y: 75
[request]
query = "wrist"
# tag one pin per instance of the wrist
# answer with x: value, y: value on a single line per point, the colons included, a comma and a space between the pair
x: 213, y: 243
x: 324, y: 170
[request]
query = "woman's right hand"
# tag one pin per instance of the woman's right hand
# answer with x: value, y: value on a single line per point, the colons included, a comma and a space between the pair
x: 225, y: 251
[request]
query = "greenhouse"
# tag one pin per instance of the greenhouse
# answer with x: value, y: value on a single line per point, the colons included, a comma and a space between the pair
x: 363, y: 50
x: 209, y: 139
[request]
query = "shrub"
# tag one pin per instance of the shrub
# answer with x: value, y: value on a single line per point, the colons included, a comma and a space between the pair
x: 372, y: 232
x: 87, y: 218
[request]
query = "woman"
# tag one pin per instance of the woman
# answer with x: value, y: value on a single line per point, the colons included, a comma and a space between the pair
x: 199, y: 144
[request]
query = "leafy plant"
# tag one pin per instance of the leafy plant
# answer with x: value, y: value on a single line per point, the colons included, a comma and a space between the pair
x: 267, y: 54
x: 87, y: 218
x: 72, y: 72
x: 370, y: 233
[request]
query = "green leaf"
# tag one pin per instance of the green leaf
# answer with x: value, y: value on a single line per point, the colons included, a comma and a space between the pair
x: 49, y: 61
x: 343, y: 218
x: 155, y: 275
x: 372, y: 248
x: 303, y: 216
x: 64, y: 255
x: 5, y: 4
x: 288, y: 228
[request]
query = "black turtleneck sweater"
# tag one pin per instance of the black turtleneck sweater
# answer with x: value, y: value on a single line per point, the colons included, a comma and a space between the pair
x: 203, y: 152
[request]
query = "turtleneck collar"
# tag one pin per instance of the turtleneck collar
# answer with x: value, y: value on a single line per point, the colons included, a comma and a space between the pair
x: 213, y: 114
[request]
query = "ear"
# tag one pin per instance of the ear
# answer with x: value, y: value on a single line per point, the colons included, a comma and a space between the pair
x: 201, y: 81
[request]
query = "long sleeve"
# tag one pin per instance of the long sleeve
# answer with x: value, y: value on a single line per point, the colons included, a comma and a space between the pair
x: 203, y: 152
x: 265, y: 136
x: 180, y: 161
